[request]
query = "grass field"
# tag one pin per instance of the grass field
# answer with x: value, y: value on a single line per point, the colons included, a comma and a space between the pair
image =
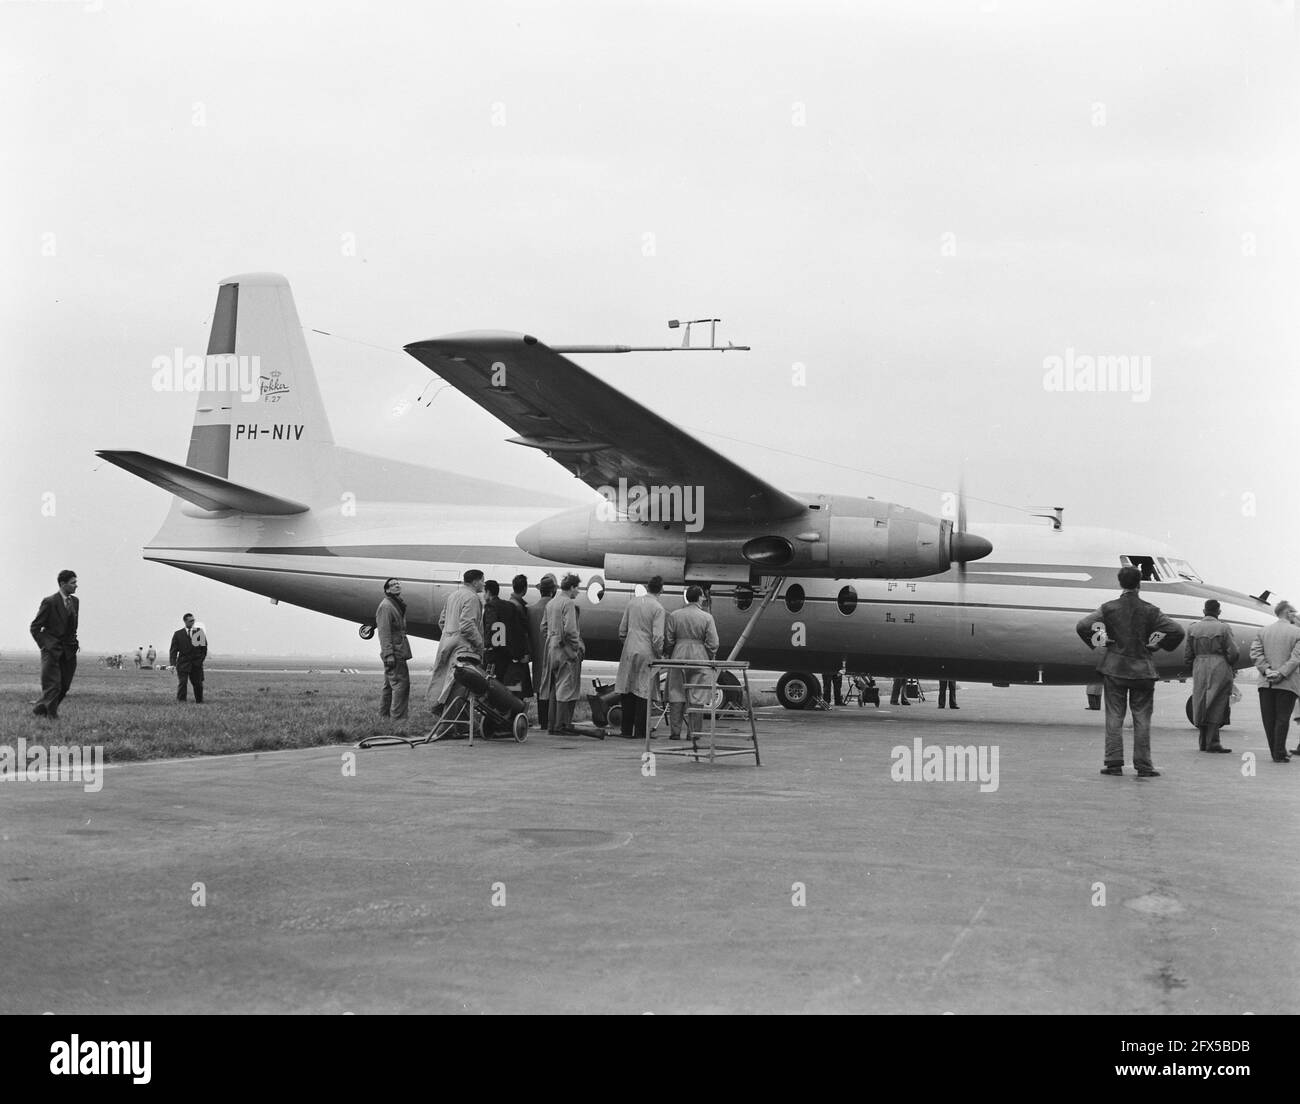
x: 134, y: 714
x: 262, y: 703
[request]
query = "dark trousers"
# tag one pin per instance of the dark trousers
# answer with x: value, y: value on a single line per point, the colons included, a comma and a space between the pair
x: 397, y: 686
x: 1209, y: 736
x: 58, y: 665
x: 543, y: 711
x: 189, y: 672
x: 559, y: 715
x: 833, y: 682
x: 1275, y: 708
x: 1140, y: 696
x: 636, y: 715
x: 900, y: 690
x: 947, y: 693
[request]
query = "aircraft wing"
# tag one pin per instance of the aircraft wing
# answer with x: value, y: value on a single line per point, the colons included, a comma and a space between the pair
x: 594, y: 430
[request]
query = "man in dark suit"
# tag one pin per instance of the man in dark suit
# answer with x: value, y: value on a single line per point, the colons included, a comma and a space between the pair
x: 189, y: 648
x: 55, y: 633
x: 520, y: 641
x: 499, y: 626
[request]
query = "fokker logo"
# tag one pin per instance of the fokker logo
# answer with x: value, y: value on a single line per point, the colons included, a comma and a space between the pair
x: 272, y: 389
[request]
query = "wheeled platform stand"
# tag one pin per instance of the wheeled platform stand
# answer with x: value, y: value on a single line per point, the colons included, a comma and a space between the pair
x: 702, y: 720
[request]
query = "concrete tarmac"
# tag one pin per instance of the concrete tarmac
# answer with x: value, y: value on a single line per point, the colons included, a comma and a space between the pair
x: 553, y: 876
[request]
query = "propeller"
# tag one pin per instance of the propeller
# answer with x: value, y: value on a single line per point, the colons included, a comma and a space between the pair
x: 965, y: 546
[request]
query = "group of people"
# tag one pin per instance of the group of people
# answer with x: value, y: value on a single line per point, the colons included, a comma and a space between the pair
x: 529, y: 650
x: 1131, y: 630
x: 537, y: 649
x: 54, y: 629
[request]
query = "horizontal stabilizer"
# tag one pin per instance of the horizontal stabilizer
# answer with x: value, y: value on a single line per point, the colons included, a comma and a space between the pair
x: 209, y: 492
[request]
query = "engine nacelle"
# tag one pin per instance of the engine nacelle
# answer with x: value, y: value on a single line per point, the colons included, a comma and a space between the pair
x: 838, y: 536
x: 905, y: 546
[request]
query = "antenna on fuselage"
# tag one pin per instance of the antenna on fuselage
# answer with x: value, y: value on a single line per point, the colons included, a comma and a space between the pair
x: 1054, y: 517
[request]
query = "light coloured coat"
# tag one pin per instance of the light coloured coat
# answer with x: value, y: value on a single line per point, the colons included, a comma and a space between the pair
x: 537, y: 643
x: 642, y: 633
x: 690, y: 633
x: 1278, y: 646
x: 461, y: 623
x: 562, y: 678
x: 1211, y: 652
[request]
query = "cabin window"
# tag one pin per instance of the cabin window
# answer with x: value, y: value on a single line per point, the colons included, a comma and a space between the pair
x: 847, y: 600
x: 794, y: 598
x: 744, y: 597
x: 595, y: 589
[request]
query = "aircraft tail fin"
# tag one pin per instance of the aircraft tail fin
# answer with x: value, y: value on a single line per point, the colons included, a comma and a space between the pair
x: 203, y: 489
x: 260, y: 421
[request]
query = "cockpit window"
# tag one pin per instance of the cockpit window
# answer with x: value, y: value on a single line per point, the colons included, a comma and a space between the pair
x: 1161, y: 569
x: 1183, y: 570
x: 1145, y: 564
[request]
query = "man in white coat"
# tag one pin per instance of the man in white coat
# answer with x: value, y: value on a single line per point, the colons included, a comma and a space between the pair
x: 461, y: 623
x: 562, y: 677
x: 642, y: 633
x: 690, y: 633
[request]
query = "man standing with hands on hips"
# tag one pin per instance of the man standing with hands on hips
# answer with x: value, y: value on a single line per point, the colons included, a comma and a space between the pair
x: 1129, y: 630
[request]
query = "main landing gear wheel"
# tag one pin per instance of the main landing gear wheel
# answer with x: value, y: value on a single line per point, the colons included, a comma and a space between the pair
x: 727, y: 694
x: 796, y: 690
x: 365, y: 631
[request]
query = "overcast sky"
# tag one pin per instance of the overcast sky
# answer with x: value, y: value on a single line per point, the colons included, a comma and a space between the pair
x: 921, y: 204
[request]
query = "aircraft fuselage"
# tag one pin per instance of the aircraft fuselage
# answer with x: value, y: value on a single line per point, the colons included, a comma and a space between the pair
x: 1011, y: 620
